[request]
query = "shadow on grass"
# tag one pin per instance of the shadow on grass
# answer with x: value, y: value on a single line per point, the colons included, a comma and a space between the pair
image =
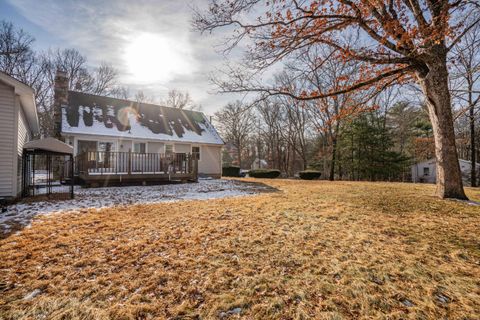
x: 257, y: 187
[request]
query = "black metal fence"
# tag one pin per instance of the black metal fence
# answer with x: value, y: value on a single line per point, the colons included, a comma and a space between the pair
x: 46, y: 174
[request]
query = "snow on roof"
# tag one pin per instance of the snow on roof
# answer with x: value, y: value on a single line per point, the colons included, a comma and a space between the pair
x: 105, y: 116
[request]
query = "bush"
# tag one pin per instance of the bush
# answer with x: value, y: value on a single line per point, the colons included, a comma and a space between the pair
x: 264, y: 173
x: 231, y: 171
x: 309, y: 174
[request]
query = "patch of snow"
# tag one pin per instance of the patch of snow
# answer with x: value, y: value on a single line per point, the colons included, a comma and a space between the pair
x: 21, y: 214
x: 32, y: 294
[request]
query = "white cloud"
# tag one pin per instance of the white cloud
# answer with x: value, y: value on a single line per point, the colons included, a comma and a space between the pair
x: 120, y: 31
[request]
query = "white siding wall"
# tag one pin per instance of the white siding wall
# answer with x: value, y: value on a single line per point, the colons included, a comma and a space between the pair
x: 24, y: 135
x: 7, y: 140
x: 418, y: 172
x: 182, y: 148
x: 124, y: 145
x: 210, y: 160
x: 155, y: 147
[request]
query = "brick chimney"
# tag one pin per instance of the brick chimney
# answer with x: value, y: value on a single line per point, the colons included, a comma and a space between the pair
x: 60, y: 98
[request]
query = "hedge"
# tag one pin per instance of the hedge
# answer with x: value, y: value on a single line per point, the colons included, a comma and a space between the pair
x: 231, y: 171
x: 264, y: 173
x: 309, y: 174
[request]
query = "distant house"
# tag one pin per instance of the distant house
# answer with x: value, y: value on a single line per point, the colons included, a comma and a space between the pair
x: 121, y: 135
x: 18, y: 123
x: 259, y: 164
x: 425, y: 171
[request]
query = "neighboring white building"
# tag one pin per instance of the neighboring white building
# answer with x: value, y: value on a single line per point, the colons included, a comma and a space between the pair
x: 425, y: 171
x: 259, y: 164
x: 98, y: 123
x: 18, y: 123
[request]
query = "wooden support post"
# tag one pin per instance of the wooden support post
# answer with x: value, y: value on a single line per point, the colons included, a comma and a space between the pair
x: 72, y: 176
x: 195, y: 168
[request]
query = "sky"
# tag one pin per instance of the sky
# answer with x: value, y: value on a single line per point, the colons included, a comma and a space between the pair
x: 150, y: 42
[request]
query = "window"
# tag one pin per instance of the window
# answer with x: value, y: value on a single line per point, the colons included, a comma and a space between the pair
x: 139, y: 147
x: 104, y: 154
x: 168, y: 148
x: 88, y: 147
x: 426, y: 171
x: 196, y: 152
x: 105, y: 146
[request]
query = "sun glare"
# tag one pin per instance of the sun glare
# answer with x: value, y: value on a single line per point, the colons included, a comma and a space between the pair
x: 152, y: 57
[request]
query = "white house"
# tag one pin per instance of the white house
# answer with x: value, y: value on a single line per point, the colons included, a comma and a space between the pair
x: 425, y: 171
x: 104, y: 124
x: 18, y: 123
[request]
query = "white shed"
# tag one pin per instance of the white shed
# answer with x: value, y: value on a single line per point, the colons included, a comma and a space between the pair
x: 425, y: 171
x: 18, y: 123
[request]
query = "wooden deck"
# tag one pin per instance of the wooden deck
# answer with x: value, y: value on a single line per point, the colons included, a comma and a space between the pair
x: 102, y: 168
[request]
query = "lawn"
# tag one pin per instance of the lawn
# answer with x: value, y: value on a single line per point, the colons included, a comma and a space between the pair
x: 312, y: 250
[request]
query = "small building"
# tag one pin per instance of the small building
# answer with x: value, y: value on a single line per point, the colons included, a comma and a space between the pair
x: 18, y: 124
x: 426, y: 171
x: 259, y: 164
x: 117, y: 139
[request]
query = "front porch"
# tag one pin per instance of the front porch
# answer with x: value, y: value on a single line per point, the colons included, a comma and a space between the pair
x: 102, y: 168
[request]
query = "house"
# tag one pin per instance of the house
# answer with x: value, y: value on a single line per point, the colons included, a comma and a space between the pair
x: 259, y: 164
x: 123, y: 139
x: 18, y: 124
x: 425, y: 171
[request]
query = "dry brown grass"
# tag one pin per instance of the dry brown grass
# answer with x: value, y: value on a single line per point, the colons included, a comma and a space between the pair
x: 314, y: 250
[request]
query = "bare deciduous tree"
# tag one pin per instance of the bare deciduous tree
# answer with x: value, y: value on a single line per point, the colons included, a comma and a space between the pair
x: 466, y: 78
x: 236, y: 123
x: 15, y: 48
x: 406, y: 40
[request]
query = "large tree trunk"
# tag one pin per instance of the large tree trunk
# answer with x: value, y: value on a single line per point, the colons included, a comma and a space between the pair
x: 434, y: 83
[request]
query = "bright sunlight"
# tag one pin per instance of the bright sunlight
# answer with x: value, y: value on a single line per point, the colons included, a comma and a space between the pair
x: 151, y: 58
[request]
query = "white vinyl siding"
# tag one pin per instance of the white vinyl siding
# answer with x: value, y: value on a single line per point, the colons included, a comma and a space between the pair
x: 211, y: 160
x: 182, y: 148
x: 24, y: 135
x: 8, y: 156
x: 155, y: 147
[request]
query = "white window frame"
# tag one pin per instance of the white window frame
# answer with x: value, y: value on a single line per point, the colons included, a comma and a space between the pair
x: 199, y: 151
x: 140, y: 149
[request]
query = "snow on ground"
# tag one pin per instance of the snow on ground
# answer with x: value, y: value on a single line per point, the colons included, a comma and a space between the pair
x: 20, y: 214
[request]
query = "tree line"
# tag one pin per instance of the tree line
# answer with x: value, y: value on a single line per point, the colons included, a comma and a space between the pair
x: 374, y: 45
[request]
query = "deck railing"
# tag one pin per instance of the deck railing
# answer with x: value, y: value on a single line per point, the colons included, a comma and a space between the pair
x: 130, y: 163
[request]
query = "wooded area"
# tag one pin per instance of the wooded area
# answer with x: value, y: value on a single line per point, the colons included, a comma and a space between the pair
x: 366, y: 47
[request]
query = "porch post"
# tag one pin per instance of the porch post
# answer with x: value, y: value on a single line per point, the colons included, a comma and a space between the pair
x: 72, y: 176
x: 195, y: 168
